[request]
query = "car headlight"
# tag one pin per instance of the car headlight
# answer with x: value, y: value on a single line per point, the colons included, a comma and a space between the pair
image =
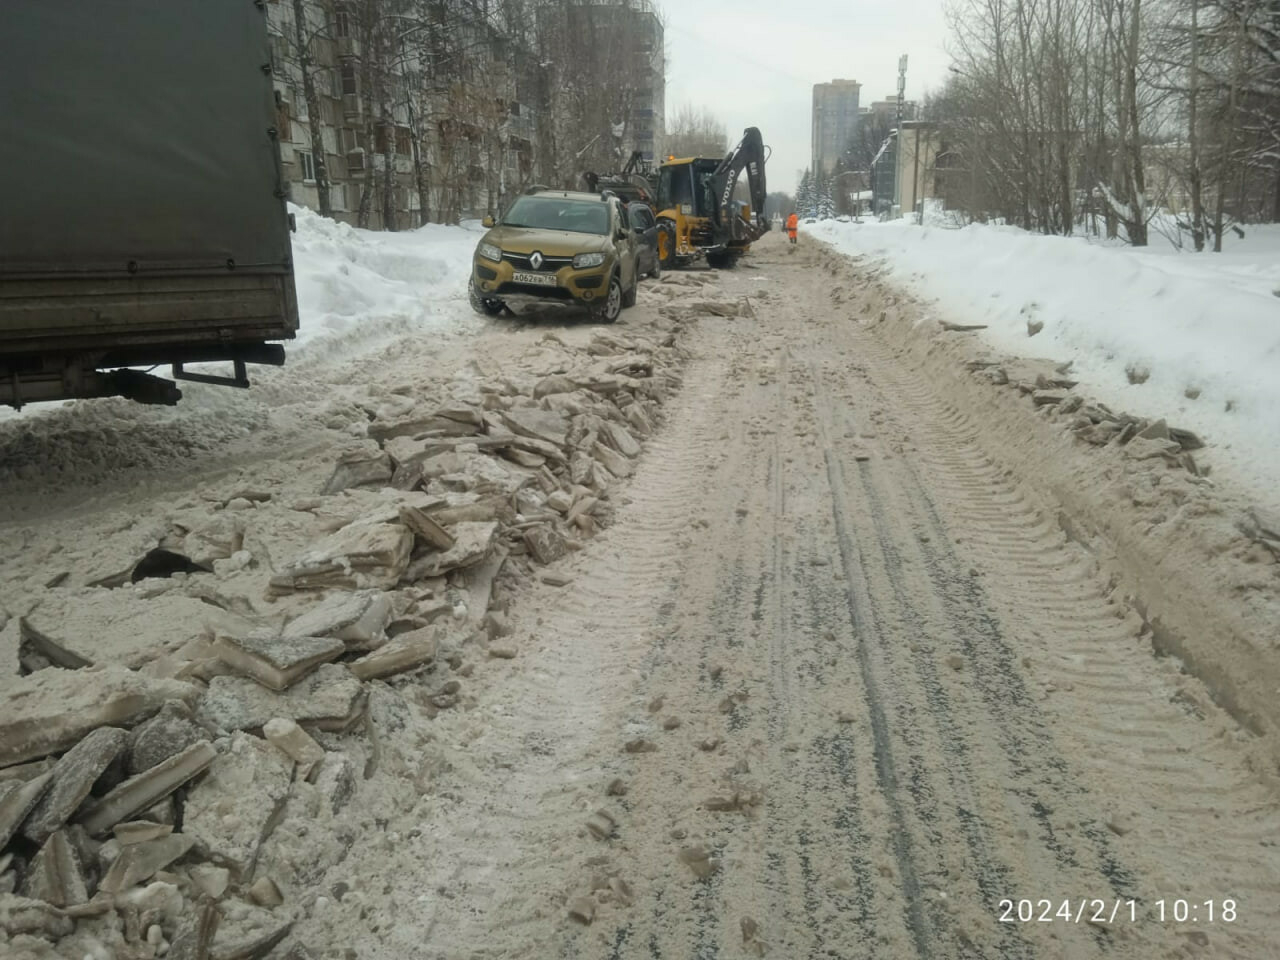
x: 490, y: 251
x: 587, y: 260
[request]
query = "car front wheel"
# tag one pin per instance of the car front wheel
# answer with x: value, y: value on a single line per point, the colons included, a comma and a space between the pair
x: 486, y: 308
x: 609, y: 308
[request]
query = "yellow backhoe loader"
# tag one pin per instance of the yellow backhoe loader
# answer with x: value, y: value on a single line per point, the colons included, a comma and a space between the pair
x: 693, y: 200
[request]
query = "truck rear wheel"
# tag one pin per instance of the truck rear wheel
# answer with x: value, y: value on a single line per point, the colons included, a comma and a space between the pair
x: 721, y: 260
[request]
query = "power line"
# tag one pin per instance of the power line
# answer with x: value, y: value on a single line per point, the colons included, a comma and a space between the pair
x: 738, y: 56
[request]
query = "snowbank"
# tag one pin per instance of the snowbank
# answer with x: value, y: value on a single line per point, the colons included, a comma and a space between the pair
x: 358, y: 287
x: 1202, y: 325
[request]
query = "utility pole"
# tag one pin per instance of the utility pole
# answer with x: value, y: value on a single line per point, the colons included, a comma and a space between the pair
x: 915, y: 174
x: 897, y: 153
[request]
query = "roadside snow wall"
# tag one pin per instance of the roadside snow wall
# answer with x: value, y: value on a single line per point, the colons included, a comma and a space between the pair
x: 1206, y: 324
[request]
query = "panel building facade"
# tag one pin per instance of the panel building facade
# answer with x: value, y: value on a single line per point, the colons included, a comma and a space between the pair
x: 452, y: 113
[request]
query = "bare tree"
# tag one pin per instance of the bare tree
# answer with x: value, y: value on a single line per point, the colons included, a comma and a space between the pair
x: 1060, y: 112
x: 595, y: 57
x: 303, y: 38
x: 696, y: 132
x: 865, y: 143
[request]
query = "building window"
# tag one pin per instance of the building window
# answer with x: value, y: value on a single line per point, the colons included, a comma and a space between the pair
x: 307, y: 163
x: 278, y: 49
x: 338, y: 196
x: 404, y: 141
x: 348, y: 80
x: 342, y: 21
x: 350, y: 140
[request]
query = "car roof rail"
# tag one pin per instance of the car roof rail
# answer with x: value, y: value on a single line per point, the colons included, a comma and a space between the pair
x: 535, y: 188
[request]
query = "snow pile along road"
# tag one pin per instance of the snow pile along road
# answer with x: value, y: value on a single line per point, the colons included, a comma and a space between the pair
x: 1195, y: 339
x: 357, y: 286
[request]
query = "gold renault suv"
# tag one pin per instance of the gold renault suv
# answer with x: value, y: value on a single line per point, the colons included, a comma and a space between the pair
x: 557, y: 246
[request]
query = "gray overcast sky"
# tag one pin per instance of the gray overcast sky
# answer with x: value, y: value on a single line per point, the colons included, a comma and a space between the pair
x: 754, y: 62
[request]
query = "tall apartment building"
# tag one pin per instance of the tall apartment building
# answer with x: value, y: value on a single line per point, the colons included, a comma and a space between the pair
x: 835, y: 119
x: 451, y: 113
x: 614, y: 48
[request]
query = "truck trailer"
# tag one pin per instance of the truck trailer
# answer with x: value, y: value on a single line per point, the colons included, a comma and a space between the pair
x: 143, y: 220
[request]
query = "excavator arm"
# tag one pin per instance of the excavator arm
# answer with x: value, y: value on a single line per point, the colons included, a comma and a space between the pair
x: 636, y: 164
x: 748, y: 155
x: 635, y: 182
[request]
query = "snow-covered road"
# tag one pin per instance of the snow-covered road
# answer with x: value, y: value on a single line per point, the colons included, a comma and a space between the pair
x: 843, y: 639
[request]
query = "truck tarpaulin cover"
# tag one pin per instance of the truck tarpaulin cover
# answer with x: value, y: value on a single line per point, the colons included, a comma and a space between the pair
x: 137, y: 130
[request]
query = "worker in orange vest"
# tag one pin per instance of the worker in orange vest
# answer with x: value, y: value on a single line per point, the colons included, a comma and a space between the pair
x: 793, y: 224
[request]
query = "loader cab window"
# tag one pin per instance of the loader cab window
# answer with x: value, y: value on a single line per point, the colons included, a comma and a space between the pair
x: 706, y: 199
x: 675, y: 186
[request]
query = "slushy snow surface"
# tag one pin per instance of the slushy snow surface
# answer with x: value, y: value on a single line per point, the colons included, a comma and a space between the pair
x: 1192, y: 322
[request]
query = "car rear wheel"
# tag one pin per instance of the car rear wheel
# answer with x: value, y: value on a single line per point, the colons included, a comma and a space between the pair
x: 655, y: 271
x: 486, y: 308
x: 611, y: 305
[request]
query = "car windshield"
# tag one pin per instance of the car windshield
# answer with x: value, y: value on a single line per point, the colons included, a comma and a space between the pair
x: 553, y: 213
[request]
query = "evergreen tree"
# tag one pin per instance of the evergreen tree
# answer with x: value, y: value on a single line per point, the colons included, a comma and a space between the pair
x: 825, y: 204
x: 804, y: 195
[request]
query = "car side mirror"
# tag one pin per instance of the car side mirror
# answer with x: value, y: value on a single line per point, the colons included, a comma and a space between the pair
x: 487, y: 221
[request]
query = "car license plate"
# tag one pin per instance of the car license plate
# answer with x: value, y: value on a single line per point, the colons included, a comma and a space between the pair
x: 542, y: 279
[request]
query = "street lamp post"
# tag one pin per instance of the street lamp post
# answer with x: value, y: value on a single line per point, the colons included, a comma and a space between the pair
x: 897, y: 153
